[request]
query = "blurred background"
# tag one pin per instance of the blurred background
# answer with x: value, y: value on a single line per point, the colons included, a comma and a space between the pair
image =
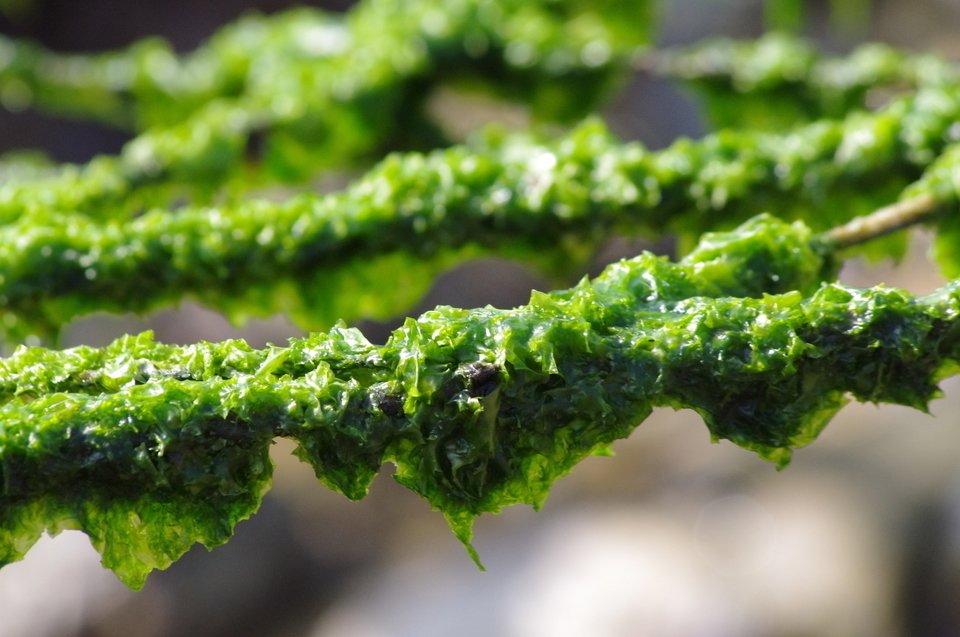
x: 673, y: 536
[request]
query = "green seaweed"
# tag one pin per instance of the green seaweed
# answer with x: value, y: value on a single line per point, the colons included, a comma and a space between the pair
x: 150, y: 448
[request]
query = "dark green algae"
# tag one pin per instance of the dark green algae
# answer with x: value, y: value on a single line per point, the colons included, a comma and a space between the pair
x: 149, y: 448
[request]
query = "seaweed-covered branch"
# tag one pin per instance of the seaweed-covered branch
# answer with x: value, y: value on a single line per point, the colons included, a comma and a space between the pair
x: 378, y: 46
x: 416, y: 214
x: 282, y: 97
x: 780, y: 80
x: 149, y: 448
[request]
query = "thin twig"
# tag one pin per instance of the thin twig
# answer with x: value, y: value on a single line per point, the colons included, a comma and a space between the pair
x: 884, y: 221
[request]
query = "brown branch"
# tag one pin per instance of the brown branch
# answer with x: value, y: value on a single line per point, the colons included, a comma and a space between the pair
x: 884, y: 221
